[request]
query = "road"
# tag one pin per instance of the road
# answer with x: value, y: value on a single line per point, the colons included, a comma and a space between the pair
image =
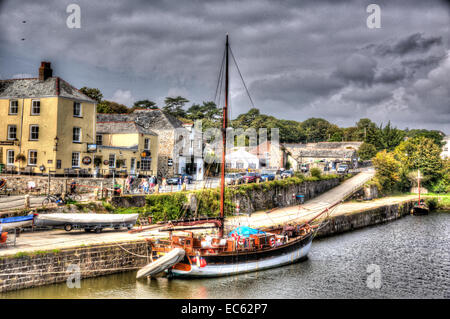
x: 57, y: 239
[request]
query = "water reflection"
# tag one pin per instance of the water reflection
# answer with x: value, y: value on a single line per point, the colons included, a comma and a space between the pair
x: 412, y: 254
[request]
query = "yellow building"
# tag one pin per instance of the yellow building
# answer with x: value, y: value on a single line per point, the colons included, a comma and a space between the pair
x: 125, y: 147
x: 45, y: 124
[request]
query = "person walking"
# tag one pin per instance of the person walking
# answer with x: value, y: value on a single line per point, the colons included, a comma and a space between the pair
x: 180, y: 181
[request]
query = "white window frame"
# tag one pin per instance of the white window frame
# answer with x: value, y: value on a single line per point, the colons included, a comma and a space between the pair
x: 78, y: 159
x: 12, y: 138
x: 32, y: 107
x: 79, y: 135
x: 80, y: 112
x: 29, y: 157
x: 31, y: 132
x: 8, y: 157
x: 113, y: 162
x: 10, y: 106
x: 147, y: 162
x: 147, y: 144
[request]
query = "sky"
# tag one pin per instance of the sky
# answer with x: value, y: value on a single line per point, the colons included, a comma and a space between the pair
x: 299, y: 59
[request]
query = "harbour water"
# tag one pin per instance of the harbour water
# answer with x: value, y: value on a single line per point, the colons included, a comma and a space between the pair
x: 406, y: 258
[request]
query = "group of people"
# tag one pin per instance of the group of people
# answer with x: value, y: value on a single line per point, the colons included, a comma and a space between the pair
x: 146, y: 185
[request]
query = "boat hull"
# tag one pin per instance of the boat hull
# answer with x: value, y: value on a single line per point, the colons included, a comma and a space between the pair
x: 244, y: 263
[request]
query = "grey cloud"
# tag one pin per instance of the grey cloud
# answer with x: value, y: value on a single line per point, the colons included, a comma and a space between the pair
x: 357, y: 68
x: 411, y: 44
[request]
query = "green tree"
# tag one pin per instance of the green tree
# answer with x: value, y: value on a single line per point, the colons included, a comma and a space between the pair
x: 367, y: 151
x: 422, y: 154
x: 387, y: 171
x: 94, y: 94
x: 389, y: 137
x: 316, y: 129
x: 106, y: 106
x: 174, y: 106
x: 144, y: 104
x: 436, y: 136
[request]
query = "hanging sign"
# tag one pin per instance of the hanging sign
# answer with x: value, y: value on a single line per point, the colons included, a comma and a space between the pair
x: 105, y: 162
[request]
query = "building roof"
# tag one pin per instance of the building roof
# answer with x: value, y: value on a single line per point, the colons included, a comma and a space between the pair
x: 122, y: 128
x: 152, y: 118
x: 344, y: 150
x: 34, y: 88
x: 325, y: 145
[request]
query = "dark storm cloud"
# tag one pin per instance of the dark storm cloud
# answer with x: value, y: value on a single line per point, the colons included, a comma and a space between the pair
x: 299, y: 58
x: 411, y: 44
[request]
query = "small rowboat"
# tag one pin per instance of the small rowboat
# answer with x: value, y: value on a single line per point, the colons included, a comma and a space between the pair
x: 162, y: 263
x: 16, y: 222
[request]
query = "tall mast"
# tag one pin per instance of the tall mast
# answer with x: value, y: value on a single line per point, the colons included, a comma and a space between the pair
x: 224, y: 141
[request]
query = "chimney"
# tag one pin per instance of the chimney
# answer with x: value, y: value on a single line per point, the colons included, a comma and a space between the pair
x: 45, y: 71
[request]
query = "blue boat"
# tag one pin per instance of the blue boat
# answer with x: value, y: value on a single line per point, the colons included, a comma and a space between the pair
x: 16, y: 222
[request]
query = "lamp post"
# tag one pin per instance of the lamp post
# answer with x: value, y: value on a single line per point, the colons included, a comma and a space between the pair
x: 55, y: 148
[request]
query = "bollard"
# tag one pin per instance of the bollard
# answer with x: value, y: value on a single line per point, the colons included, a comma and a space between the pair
x: 27, y: 201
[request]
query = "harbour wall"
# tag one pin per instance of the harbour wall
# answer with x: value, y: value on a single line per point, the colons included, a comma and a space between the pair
x: 27, y: 270
x: 355, y: 220
x: 253, y: 198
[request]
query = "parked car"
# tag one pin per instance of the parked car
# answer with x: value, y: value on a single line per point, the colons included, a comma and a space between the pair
x: 304, y: 168
x: 250, y: 177
x: 286, y: 174
x: 342, y: 169
x: 233, y: 178
x: 267, y: 176
x: 174, y: 180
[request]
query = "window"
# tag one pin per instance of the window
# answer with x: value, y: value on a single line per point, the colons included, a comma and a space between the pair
x: 146, y: 163
x: 32, y: 157
x: 58, y: 164
x: 76, y: 135
x: 10, y: 157
x: 147, y: 144
x: 36, y: 107
x: 75, y: 159
x: 12, y: 132
x: 13, y: 107
x: 99, y: 139
x: 34, y: 132
x: 77, y: 109
x: 112, y: 160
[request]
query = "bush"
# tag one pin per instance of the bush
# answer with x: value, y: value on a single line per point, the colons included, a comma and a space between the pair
x: 316, y: 172
x: 432, y: 203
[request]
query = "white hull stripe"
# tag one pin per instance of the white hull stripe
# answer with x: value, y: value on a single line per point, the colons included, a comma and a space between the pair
x: 237, y: 268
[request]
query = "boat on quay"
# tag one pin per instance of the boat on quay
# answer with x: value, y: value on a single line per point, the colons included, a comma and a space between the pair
x: 9, y: 223
x: 241, y: 250
x: 87, y: 222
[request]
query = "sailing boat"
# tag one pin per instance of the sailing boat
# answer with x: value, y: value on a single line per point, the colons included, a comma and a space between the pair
x: 420, y: 208
x: 242, y: 250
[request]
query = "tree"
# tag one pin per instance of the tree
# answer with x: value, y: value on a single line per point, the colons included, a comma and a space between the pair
x: 422, y: 154
x: 106, y: 106
x: 316, y: 129
x: 436, y: 136
x: 387, y: 170
x: 367, y: 151
x: 94, y: 94
x: 174, y: 106
x: 389, y: 138
x: 144, y: 104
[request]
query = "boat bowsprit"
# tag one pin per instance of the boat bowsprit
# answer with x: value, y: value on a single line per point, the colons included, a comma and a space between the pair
x: 162, y: 263
x: 87, y: 221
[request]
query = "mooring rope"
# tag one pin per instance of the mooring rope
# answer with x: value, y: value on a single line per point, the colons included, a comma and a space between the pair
x: 142, y: 256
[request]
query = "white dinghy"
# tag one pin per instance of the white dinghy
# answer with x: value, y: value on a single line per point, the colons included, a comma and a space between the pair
x: 162, y: 263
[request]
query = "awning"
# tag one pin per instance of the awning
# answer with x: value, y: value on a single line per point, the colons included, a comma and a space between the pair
x: 245, y: 231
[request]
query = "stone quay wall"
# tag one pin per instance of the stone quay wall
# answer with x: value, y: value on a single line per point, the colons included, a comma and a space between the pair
x: 19, y: 183
x: 351, y: 221
x: 29, y: 270
x: 253, y: 200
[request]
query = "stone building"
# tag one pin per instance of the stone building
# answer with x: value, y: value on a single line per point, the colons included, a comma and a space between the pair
x: 271, y: 155
x: 172, y: 138
x: 46, y: 125
x: 327, y: 153
x: 125, y: 147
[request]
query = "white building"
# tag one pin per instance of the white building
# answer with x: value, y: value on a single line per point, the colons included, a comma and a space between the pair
x: 242, y: 159
x: 446, y: 148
